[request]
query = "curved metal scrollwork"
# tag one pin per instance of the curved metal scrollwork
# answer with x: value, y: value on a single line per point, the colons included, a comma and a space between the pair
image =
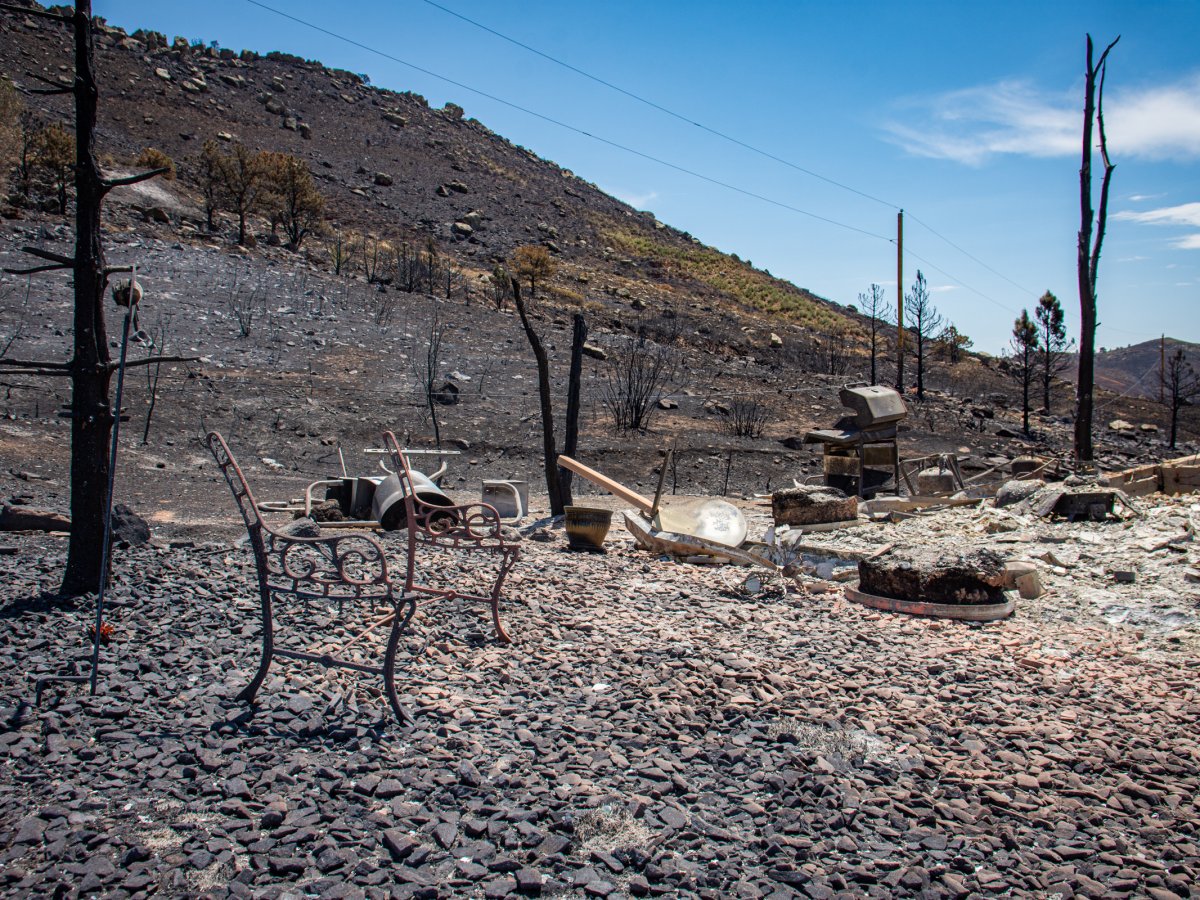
x: 469, y: 527
x: 347, y: 567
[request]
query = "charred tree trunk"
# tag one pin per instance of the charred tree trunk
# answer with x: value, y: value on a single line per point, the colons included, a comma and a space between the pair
x: 571, y: 437
x: 550, y: 455
x: 91, y: 413
x: 1089, y: 250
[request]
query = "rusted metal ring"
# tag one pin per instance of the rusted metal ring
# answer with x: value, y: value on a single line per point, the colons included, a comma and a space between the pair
x: 965, y: 612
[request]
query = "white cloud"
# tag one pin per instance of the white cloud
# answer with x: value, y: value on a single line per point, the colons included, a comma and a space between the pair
x: 1184, y: 214
x: 943, y: 288
x: 1138, y: 198
x: 1014, y: 117
x: 637, y: 201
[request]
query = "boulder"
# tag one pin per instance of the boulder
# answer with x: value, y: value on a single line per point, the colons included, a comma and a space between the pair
x: 383, y: 179
x: 128, y: 527
x: 1012, y: 492
x: 776, y: 340
x: 595, y: 352
x: 447, y: 394
x: 304, y: 527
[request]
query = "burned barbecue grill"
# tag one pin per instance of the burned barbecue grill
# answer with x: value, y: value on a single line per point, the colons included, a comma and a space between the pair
x: 860, y: 451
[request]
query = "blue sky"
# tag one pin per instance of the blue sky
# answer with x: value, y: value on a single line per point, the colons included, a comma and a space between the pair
x: 966, y: 114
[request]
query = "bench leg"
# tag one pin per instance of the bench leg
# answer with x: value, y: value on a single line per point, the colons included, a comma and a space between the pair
x: 403, y: 716
x: 506, y: 565
x: 268, y: 650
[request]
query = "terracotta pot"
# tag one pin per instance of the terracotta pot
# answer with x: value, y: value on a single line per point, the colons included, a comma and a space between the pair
x: 587, y: 527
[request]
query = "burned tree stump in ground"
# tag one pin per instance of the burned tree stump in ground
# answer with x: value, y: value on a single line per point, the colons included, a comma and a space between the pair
x: 916, y: 574
x: 812, y: 505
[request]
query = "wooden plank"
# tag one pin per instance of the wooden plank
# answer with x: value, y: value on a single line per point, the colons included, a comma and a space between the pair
x: 1181, y: 479
x: 613, y: 487
x: 1142, y: 488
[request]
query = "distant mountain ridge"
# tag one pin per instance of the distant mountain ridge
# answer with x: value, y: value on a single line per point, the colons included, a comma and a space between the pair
x: 1134, y: 370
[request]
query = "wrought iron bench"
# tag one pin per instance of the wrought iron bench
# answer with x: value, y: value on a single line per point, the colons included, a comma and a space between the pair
x: 470, y: 528
x: 348, y: 569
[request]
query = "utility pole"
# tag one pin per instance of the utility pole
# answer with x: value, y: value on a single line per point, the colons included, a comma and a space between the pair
x: 1162, y: 366
x: 900, y: 301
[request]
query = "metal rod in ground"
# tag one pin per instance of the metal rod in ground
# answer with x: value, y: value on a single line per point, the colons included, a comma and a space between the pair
x: 112, y: 478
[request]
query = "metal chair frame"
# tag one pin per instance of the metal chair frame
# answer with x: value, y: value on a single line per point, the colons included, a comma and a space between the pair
x: 347, y: 568
x: 470, y: 528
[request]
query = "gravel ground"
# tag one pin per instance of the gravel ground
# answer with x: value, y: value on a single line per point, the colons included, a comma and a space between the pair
x: 651, y: 731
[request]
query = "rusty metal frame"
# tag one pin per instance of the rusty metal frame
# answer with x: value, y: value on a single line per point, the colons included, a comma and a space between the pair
x: 472, y: 528
x: 349, y: 568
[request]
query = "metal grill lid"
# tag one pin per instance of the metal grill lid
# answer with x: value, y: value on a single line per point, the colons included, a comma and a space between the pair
x: 873, y: 405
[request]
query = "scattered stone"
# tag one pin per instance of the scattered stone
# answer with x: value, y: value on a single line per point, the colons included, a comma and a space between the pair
x: 383, y: 179
x: 31, y: 518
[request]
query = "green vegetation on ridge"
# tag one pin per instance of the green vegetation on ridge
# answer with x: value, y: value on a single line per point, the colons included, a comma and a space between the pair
x: 756, y: 290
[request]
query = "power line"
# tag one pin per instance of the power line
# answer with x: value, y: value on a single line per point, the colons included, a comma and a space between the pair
x: 970, y: 256
x: 959, y: 282
x: 723, y: 135
x: 564, y: 125
x: 661, y: 108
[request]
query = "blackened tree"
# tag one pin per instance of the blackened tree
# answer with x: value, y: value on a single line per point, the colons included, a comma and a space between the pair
x: 1052, y: 343
x: 873, y: 307
x: 1024, y: 346
x: 1089, y: 248
x: 923, y: 322
x: 1183, y: 386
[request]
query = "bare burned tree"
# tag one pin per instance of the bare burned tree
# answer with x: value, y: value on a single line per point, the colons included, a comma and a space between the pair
x: 639, y: 377
x: 1024, y: 346
x: 427, y: 367
x: 873, y: 307
x: 1052, y: 343
x: 747, y: 417
x: 159, y: 337
x: 923, y: 322
x: 549, y: 451
x: 90, y: 368
x: 1183, y: 386
x: 1089, y: 248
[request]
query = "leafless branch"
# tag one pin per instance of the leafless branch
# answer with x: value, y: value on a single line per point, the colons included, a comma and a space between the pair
x: 50, y: 255
x: 50, y: 373
x: 113, y: 270
x: 1102, y: 213
x: 150, y: 360
x: 39, y: 13
x: 36, y: 269
x: 109, y: 183
x: 56, y: 87
x: 35, y: 364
